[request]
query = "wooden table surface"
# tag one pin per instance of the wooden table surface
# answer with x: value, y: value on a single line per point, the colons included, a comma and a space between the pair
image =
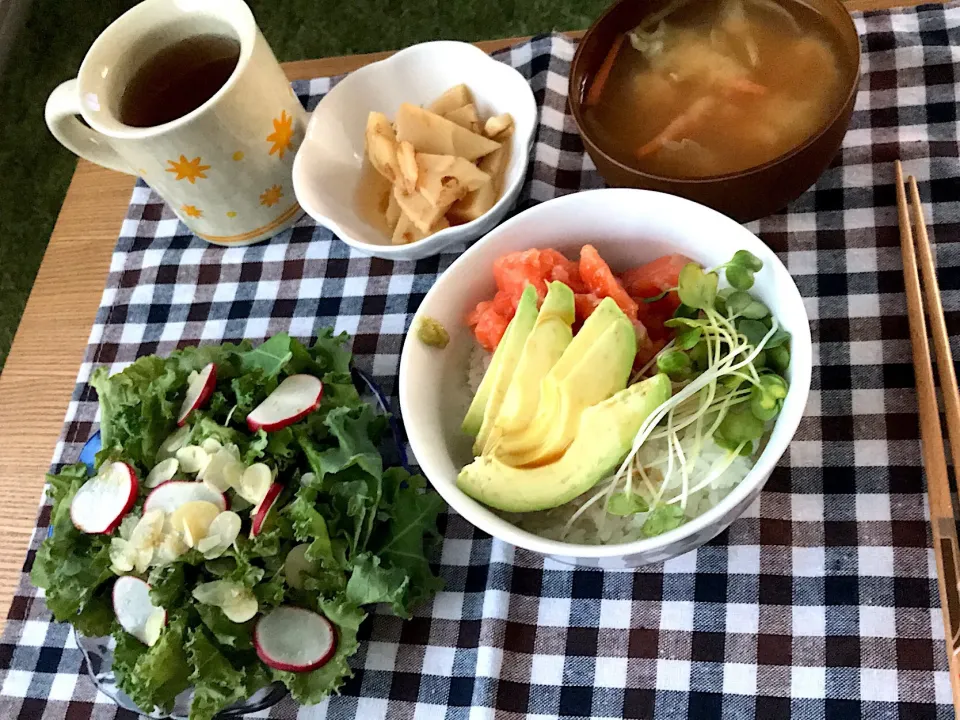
x: 41, y: 370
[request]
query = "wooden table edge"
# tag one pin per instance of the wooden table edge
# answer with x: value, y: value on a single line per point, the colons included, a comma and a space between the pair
x: 40, y: 373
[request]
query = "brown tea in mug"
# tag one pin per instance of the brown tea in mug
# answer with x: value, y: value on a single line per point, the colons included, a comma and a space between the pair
x: 178, y: 80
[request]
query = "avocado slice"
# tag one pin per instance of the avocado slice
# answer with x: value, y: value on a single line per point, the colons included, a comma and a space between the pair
x: 486, y: 403
x: 551, y: 335
x: 598, y: 370
x: 605, y: 435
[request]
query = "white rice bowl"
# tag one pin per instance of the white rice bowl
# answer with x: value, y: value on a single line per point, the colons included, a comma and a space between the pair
x: 628, y: 227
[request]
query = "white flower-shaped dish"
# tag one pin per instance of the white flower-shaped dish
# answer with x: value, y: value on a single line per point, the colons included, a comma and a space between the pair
x: 327, y: 168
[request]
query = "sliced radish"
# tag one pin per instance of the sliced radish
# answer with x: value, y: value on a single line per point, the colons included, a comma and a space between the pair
x: 162, y: 472
x: 171, y: 495
x: 260, y: 512
x: 295, y: 398
x: 199, y: 391
x: 103, y: 500
x: 135, y: 612
x: 294, y: 639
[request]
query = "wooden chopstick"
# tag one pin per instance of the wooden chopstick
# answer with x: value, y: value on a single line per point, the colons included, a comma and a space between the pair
x: 942, y: 521
x: 938, y: 325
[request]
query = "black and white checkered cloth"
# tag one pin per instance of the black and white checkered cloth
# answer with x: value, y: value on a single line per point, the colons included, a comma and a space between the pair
x: 820, y: 602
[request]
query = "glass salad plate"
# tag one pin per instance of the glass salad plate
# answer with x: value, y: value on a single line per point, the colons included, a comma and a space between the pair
x: 98, y: 651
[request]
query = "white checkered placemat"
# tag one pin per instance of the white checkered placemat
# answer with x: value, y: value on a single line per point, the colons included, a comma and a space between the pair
x: 820, y: 602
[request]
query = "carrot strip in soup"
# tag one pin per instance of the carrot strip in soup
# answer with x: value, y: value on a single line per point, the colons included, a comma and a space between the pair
x: 745, y: 86
x: 603, y: 74
x: 680, y: 126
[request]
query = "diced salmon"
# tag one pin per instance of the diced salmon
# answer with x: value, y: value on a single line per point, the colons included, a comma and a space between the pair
x: 488, y: 325
x: 512, y: 272
x: 591, y: 280
x: 598, y: 277
x: 654, y: 277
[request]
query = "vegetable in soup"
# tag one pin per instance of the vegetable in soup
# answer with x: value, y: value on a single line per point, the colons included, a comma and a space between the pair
x: 707, y: 87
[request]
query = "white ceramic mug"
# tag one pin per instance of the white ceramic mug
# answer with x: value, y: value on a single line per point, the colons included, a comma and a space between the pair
x: 225, y: 167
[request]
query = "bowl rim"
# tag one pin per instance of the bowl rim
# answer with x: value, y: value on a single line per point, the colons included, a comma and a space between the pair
x: 846, y: 28
x: 500, y: 528
x: 453, y: 233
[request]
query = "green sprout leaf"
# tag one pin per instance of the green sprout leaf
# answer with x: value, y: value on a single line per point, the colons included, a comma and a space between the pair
x: 662, y: 519
x: 753, y: 330
x: 688, y: 338
x: 624, y: 504
x: 740, y: 278
x: 742, y: 304
x: 678, y: 322
x: 766, y: 399
x: 779, y: 337
x: 685, y: 311
x: 655, y: 298
x: 697, y: 289
x: 739, y: 425
x: 746, y: 259
x: 778, y: 358
x: 698, y: 356
x: 673, y: 362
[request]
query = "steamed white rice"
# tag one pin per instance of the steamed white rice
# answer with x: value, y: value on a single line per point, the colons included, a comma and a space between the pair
x: 479, y: 362
x: 596, y: 526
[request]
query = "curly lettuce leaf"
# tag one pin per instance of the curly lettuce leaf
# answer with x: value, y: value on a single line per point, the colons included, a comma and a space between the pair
x: 216, y: 683
x: 356, y: 431
x: 168, y: 585
x: 405, y: 539
x: 96, y: 618
x: 138, y: 408
x: 70, y: 565
x: 330, y: 351
x: 327, y: 577
x: 238, y: 636
x: 370, y: 582
x: 153, y: 676
x: 270, y: 357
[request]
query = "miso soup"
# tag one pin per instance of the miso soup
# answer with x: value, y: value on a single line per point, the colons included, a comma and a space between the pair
x: 708, y: 87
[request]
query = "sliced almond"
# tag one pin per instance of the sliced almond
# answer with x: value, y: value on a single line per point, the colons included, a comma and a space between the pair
x: 193, y: 458
x: 193, y: 520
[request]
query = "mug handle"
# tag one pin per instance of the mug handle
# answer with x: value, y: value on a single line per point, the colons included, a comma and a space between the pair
x: 63, y: 107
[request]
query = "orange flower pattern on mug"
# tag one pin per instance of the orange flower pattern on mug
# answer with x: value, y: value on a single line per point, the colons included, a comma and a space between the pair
x: 282, y: 134
x: 187, y: 169
x: 271, y: 196
x: 192, y: 211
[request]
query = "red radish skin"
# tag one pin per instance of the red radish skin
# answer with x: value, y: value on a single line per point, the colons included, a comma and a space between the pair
x: 132, y: 605
x: 306, y: 625
x: 261, y: 511
x: 101, y: 503
x: 295, y: 398
x: 198, y: 392
x: 172, y: 494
